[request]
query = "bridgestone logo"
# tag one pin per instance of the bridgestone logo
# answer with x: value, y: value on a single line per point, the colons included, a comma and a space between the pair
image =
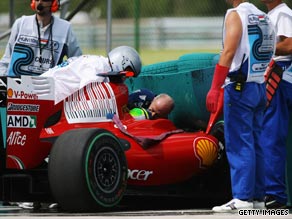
x: 23, y: 107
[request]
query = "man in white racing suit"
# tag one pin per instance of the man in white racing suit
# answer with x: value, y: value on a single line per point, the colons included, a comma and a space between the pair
x: 77, y: 72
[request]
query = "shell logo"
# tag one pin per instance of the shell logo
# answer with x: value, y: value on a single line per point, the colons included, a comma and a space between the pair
x: 206, y: 151
x: 10, y: 92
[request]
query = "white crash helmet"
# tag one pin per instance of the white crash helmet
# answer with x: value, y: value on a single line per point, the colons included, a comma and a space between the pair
x: 124, y: 56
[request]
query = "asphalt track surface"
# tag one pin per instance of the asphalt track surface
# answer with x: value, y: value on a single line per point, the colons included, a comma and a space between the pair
x: 139, y: 209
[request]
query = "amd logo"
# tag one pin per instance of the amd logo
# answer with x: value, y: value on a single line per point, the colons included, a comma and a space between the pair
x: 21, y: 121
x: 139, y: 174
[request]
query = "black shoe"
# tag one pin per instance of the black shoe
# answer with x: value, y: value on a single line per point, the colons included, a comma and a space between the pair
x: 272, y: 203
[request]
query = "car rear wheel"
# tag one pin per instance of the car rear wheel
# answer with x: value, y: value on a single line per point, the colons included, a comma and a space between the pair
x: 218, y: 132
x: 87, y: 170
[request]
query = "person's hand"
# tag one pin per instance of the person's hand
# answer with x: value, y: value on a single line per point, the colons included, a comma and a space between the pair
x: 212, y: 100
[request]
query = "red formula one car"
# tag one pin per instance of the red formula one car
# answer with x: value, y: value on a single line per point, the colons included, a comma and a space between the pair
x: 87, y: 152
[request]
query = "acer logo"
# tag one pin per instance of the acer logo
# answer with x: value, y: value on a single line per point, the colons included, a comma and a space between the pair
x: 139, y: 174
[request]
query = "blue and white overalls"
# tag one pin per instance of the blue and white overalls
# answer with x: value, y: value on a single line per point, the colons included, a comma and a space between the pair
x: 276, y: 119
x: 244, y: 103
x: 33, y: 49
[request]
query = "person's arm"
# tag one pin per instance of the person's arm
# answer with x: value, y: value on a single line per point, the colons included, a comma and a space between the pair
x: 233, y: 32
x: 73, y: 46
x: 284, y: 46
x: 5, y: 60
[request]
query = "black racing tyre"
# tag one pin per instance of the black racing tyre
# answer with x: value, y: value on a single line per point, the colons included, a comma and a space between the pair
x: 218, y: 132
x: 87, y: 170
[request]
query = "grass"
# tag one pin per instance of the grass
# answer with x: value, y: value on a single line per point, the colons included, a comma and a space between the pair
x: 154, y: 56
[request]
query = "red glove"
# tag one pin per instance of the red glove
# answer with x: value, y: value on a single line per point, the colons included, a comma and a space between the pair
x: 219, y: 77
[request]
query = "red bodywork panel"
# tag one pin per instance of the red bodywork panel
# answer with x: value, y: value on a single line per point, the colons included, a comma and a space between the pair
x: 174, y: 159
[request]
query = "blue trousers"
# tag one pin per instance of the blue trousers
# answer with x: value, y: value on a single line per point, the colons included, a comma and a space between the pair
x: 243, y: 117
x: 274, y: 135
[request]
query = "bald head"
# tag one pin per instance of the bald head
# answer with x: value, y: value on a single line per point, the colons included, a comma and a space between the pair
x: 161, y: 106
